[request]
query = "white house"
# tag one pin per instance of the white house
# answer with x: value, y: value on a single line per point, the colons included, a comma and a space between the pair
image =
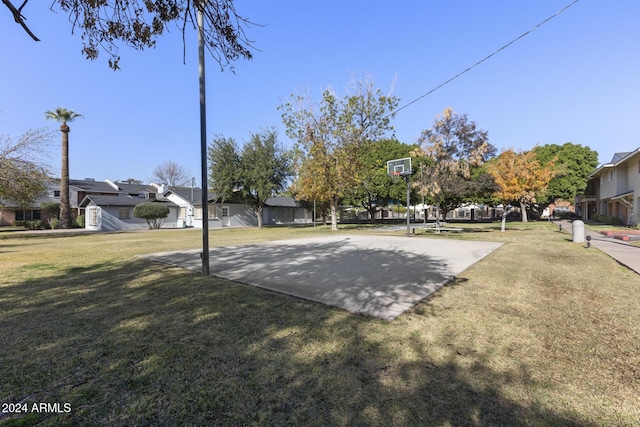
x: 614, y: 189
x: 109, y: 213
x: 278, y: 210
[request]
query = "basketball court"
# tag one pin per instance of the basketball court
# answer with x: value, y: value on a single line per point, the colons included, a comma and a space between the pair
x: 379, y: 276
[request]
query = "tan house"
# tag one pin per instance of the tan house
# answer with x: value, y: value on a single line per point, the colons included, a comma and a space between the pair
x: 613, y: 190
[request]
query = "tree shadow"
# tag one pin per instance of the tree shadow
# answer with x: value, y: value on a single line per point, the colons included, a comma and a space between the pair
x: 373, y: 276
x: 140, y: 343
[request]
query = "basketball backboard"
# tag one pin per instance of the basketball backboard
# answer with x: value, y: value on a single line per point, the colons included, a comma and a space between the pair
x: 399, y: 167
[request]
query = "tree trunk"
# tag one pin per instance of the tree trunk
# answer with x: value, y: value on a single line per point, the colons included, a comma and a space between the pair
x: 372, y: 210
x: 334, y: 214
x: 65, y: 205
x: 504, y: 219
x: 445, y: 212
x: 258, y: 212
x: 523, y: 211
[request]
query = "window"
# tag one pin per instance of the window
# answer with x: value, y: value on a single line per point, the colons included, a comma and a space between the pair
x: 93, y: 217
x: 183, y: 212
x: 225, y: 211
x: 27, y: 215
x: 123, y: 213
x: 612, y: 175
x: 198, y: 214
x: 212, y: 212
x: 54, y: 193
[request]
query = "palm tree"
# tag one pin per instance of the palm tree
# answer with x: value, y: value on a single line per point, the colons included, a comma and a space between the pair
x: 62, y: 115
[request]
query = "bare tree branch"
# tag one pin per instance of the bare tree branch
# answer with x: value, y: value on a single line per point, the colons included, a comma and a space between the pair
x: 17, y: 16
x: 107, y: 24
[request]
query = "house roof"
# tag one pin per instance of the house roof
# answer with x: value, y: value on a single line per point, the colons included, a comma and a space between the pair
x: 91, y: 186
x: 282, y: 201
x: 620, y: 156
x: 617, y: 159
x: 185, y: 193
x: 117, y: 200
x: 134, y: 189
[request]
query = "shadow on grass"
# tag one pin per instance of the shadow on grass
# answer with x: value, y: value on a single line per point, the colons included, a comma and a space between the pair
x: 144, y: 344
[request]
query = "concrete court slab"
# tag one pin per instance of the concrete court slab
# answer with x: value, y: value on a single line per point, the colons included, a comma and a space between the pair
x: 379, y: 276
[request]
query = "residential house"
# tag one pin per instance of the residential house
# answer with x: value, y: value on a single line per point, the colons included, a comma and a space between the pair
x: 285, y: 210
x: 80, y: 188
x: 109, y: 205
x: 11, y: 212
x: 110, y: 213
x: 189, y: 200
x: 613, y: 190
x: 278, y: 210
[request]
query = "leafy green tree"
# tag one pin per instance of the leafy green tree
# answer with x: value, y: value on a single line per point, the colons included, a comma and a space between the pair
x: 23, y: 177
x: 63, y: 116
x: 103, y: 25
x: 153, y: 212
x: 52, y: 210
x: 574, y: 164
x: 330, y: 136
x: 260, y: 171
x: 376, y: 188
x: 265, y: 170
x: 449, y: 153
x: 224, y: 166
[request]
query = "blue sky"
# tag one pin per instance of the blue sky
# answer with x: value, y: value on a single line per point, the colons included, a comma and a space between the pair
x: 574, y: 79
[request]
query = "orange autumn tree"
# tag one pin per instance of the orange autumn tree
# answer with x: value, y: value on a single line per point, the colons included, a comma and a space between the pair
x: 520, y: 177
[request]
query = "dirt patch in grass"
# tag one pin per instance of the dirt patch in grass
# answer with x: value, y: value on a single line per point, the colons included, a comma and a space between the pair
x: 540, y: 332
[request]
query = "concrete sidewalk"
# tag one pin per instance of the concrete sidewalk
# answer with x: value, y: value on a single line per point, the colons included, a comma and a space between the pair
x: 626, y: 254
x: 379, y: 276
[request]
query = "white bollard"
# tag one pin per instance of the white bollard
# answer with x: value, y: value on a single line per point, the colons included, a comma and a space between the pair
x: 577, y: 229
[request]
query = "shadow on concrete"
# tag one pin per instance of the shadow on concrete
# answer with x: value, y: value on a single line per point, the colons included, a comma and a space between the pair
x: 376, y: 276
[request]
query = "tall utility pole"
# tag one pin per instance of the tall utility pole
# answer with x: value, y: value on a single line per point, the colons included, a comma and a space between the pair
x: 203, y: 147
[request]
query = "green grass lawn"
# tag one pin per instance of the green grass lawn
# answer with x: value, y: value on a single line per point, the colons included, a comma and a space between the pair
x: 540, y: 332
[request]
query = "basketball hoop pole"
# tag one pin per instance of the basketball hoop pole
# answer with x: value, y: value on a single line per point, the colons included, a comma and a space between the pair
x: 408, y: 178
x: 402, y: 167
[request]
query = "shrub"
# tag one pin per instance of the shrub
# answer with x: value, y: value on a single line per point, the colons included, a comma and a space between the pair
x: 51, y: 209
x: 54, y: 222
x: 566, y: 215
x: 153, y: 212
x: 605, y: 219
x: 80, y: 221
x: 34, y: 225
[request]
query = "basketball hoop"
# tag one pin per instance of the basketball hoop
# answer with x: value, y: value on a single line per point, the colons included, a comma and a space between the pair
x: 399, y: 167
x: 402, y: 168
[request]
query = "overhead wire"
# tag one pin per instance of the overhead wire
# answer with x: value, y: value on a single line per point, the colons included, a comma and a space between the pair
x: 485, y: 58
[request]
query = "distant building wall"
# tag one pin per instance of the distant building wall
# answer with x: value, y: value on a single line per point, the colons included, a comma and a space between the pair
x: 7, y: 217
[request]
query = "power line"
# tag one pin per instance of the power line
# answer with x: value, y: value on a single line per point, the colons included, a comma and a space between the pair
x: 486, y: 57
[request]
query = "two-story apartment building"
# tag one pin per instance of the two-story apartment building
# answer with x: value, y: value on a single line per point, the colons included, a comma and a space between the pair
x: 614, y: 189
